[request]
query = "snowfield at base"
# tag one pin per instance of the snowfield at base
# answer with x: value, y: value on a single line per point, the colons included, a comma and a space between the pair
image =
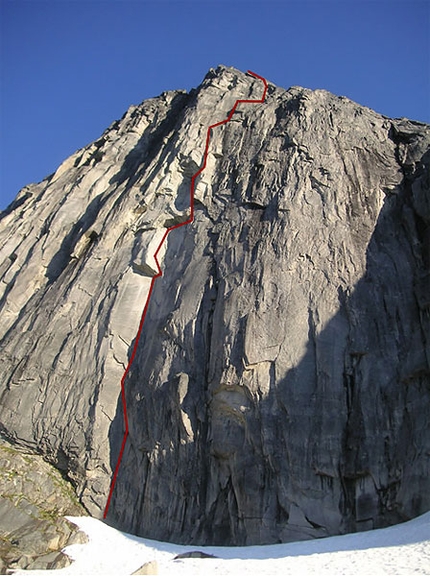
x: 402, y: 549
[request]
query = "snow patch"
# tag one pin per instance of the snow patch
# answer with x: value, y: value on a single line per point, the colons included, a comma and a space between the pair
x: 399, y: 550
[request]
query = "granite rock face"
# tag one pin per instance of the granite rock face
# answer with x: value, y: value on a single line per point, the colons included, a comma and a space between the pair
x: 281, y: 387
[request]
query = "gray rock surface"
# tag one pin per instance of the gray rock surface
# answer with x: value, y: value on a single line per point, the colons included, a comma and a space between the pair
x: 281, y: 387
x: 34, y: 500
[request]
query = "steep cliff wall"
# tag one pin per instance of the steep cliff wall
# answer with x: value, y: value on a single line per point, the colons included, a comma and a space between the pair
x: 281, y: 387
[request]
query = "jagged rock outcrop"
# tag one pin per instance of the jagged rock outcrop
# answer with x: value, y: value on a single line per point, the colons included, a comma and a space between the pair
x: 281, y: 387
x: 34, y: 500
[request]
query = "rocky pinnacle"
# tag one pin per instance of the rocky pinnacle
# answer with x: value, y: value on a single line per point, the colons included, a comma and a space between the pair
x: 281, y: 384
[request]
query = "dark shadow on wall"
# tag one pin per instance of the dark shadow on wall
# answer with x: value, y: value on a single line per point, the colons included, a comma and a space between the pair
x: 83, y: 226
x: 349, y: 423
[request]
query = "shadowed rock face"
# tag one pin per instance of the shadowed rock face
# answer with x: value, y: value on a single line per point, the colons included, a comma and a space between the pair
x: 281, y: 387
x: 34, y: 500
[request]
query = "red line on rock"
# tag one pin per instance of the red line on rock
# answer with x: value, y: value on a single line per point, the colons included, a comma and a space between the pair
x: 160, y: 273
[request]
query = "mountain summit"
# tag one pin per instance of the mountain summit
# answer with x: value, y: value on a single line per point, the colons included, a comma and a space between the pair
x: 281, y: 385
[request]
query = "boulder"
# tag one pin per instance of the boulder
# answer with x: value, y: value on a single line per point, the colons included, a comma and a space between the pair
x: 34, y: 500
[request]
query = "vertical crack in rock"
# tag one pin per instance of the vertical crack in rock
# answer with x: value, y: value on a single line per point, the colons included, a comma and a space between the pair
x: 281, y: 387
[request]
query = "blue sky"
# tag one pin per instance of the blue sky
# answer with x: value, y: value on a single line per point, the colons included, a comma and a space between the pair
x: 69, y: 68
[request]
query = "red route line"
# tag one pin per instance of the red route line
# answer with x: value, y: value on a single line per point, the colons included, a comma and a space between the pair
x: 160, y: 273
